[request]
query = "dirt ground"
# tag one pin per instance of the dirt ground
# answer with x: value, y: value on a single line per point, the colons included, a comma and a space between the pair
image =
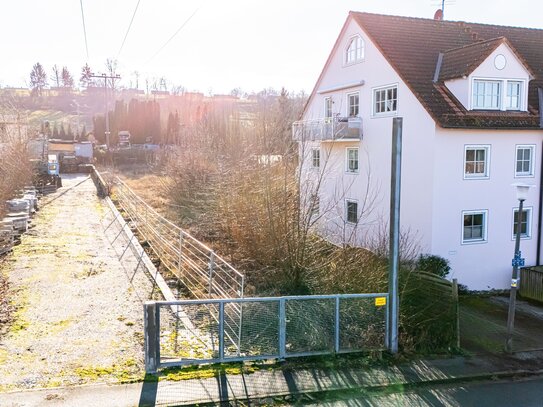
x: 78, y: 314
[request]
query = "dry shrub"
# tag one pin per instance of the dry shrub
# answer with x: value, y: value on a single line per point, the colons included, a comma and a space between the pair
x: 15, y: 166
x: 248, y: 207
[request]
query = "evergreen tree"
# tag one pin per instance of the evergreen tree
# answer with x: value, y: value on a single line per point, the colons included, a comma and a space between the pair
x: 83, y: 134
x: 62, y: 132
x: 38, y: 79
x: 55, y: 131
x: 99, y: 128
x: 69, y: 132
x: 67, y: 78
x: 86, y: 76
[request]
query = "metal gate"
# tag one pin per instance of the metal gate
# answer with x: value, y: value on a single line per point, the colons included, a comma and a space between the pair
x: 226, y: 330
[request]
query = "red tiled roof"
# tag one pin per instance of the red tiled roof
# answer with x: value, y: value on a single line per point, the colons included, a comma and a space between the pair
x: 462, y: 61
x: 412, y: 46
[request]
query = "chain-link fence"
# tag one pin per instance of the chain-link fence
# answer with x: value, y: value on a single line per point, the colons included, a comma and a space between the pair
x: 226, y: 330
x: 199, y: 268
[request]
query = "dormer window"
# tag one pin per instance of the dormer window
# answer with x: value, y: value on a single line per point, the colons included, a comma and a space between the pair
x: 513, y: 95
x: 497, y: 94
x: 486, y: 94
x: 355, y: 50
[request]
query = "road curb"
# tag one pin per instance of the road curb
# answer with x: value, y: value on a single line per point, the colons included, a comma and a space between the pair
x: 349, y: 392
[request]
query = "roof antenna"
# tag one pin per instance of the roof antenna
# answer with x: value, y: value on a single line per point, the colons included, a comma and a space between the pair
x: 440, y: 13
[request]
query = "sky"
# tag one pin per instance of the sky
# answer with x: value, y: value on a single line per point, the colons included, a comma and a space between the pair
x: 225, y: 44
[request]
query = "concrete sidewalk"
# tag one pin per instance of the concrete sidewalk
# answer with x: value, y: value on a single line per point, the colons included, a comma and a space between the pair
x: 266, y: 386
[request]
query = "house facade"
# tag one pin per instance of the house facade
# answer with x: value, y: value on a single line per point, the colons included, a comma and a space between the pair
x: 468, y: 96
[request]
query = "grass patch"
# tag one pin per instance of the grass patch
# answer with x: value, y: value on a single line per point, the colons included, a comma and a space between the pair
x: 202, y: 372
x: 128, y: 372
x: 19, y: 322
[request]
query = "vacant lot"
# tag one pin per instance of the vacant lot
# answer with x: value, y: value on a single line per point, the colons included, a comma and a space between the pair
x: 77, y: 313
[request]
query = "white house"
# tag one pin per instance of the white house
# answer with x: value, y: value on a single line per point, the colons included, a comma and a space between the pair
x: 468, y: 96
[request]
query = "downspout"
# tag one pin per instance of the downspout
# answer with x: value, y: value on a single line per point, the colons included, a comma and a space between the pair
x: 540, y: 215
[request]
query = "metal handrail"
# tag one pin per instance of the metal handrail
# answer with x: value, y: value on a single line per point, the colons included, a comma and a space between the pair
x: 155, y: 228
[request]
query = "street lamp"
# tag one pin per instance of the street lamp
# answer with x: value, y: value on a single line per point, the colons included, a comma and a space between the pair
x: 517, y: 262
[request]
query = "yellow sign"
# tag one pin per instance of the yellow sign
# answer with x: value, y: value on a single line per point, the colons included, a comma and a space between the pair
x: 380, y: 301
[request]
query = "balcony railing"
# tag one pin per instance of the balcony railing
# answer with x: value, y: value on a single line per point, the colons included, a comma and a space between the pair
x: 328, y: 129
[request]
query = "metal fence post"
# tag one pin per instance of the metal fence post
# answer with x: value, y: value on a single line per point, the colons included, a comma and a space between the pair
x: 387, y: 323
x: 211, y: 268
x: 336, y: 337
x: 456, y: 308
x: 180, y: 260
x: 282, y: 329
x: 152, y: 337
x: 394, y: 244
x: 221, y: 331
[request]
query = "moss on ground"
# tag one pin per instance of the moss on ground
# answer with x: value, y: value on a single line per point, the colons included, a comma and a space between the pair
x: 202, y: 372
x: 20, y: 303
x: 127, y: 372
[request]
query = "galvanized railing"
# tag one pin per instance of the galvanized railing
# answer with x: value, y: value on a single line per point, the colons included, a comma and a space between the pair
x: 328, y: 129
x: 204, y: 273
x: 201, y: 331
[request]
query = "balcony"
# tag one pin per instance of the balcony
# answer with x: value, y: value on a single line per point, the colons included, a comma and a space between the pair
x: 328, y: 129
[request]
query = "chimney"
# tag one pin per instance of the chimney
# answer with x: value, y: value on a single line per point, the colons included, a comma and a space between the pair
x: 438, y: 15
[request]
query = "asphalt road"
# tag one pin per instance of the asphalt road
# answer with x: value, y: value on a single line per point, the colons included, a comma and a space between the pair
x: 522, y: 393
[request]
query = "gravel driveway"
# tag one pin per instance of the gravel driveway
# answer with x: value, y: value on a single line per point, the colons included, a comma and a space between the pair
x: 78, y: 316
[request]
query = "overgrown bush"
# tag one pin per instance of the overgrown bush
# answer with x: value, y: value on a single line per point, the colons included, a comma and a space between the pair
x: 249, y: 208
x: 433, y: 264
x: 15, y: 165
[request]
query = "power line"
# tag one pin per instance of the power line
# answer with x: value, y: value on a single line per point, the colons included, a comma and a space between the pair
x: 84, y: 29
x: 129, y: 27
x: 172, y: 37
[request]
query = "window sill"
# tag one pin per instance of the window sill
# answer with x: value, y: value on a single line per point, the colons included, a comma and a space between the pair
x: 347, y: 64
x: 472, y: 242
x: 352, y: 172
x: 522, y: 238
x: 388, y: 114
x: 524, y: 175
x: 476, y: 177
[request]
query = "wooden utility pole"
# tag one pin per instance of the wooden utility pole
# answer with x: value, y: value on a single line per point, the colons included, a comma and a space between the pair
x: 105, y: 78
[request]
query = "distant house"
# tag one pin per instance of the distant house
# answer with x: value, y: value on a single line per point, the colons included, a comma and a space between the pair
x: 468, y: 95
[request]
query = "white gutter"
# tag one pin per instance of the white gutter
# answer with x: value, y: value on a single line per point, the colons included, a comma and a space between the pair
x: 341, y: 87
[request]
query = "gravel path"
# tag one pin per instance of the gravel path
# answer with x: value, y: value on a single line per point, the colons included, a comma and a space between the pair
x: 78, y: 316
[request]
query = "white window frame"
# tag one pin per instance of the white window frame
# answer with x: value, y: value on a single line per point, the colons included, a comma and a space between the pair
x: 520, y: 95
x: 531, y: 172
x: 484, y: 229
x: 528, y: 235
x: 347, y: 202
x: 347, y: 159
x: 328, y: 100
x: 359, y: 51
x: 486, y: 174
x: 374, y: 100
x: 349, y: 103
x: 503, y: 100
x: 315, y: 157
x: 499, y: 95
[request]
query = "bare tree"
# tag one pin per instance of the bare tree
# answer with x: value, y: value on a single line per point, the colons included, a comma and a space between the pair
x: 111, y: 67
x: 56, y: 75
